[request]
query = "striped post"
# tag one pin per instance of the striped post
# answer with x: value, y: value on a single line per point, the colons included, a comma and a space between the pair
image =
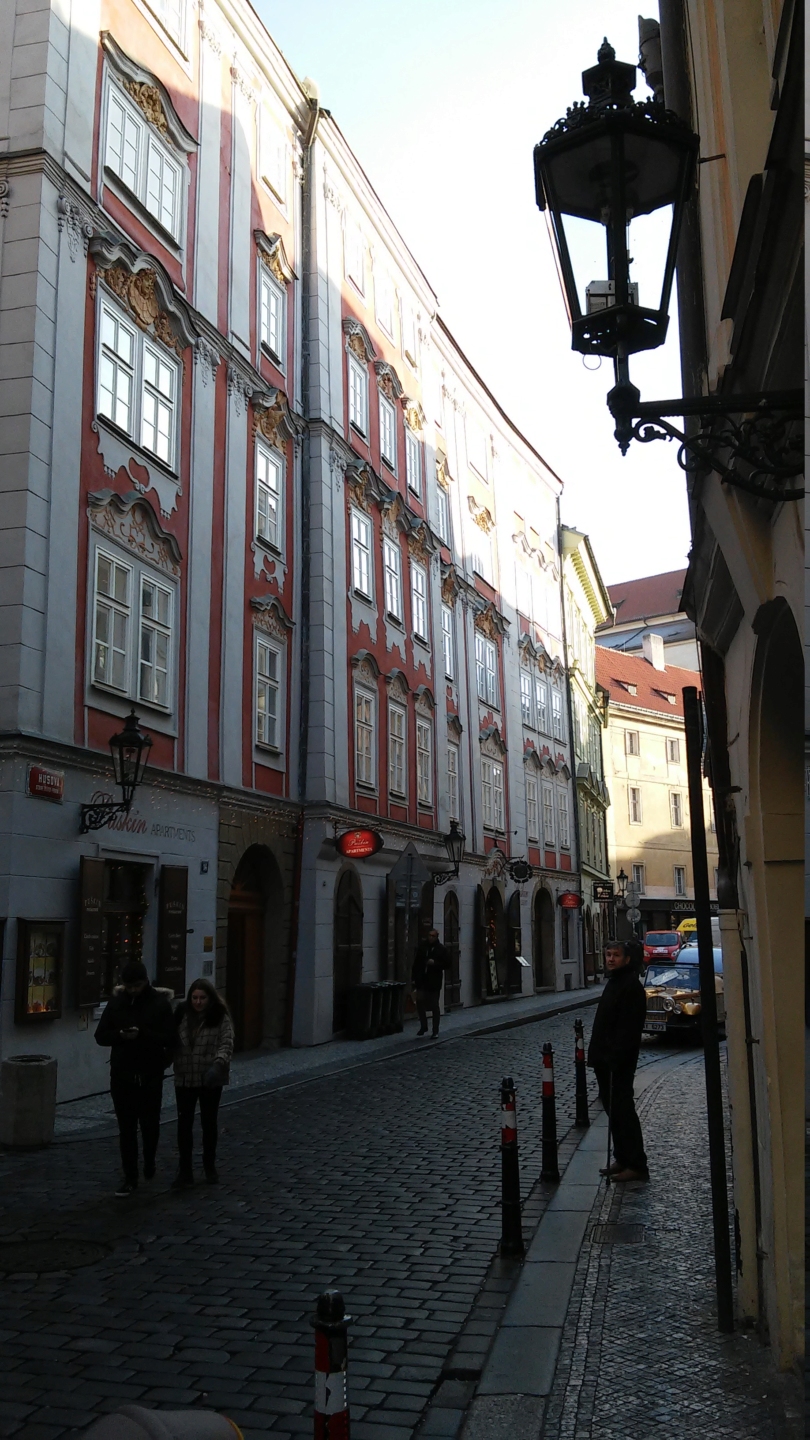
x: 582, y: 1119
x: 511, y: 1228
x: 330, y: 1323
x: 550, y: 1169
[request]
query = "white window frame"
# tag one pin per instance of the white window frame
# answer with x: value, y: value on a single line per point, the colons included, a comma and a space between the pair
x: 679, y: 879
x: 632, y: 743
x: 481, y: 557
x: 142, y: 392
x: 269, y: 498
x: 358, y: 395
x: 424, y: 760
x: 549, y: 819
x: 113, y: 607
x: 158, y: 9
x: 676, y: 810
x: 384, y: 302
x: 453, y: 802
x: 388, y: 433
x: 266, y: 718
x: 532, y: 809
x: 478, y: 452
x: 673, y: 750
x: 153, y: 628
x: 557, y: 721
x: 273, y: 154
x: 362, y: 534
x: 635, y: 811
x: 413, y: 461
x: 151, y: 150
x: 443, y: 520
x: 526, y: 697
x: 397, y: 750
x: 135, y: 626
x: 563, y: 822
x: 354, y: 251
x: 486, y: 669
x: 392, y: 572
x: 420, y: 619
x: 541, y: 705
x: 492, y: 794
x: 272, y: 300
x: 365, y: 738
x: 448, y: 641
x: 639, y: 878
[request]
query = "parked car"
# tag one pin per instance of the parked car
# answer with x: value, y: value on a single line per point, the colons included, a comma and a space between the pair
x: 673, y: 993
x: 664, y: 943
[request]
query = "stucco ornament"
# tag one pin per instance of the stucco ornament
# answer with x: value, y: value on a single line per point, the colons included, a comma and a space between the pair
x: 138, y: 292
x: 131, y: 521
x: 274, y: 418
x: 490, y: 622
x: 270, y: 616
x: 5, y: 198
x: 414, y: 415
x: 419, y: 545
x: 74, y: 223
x: 147, y: 98
x: 358, y: 339
x: 274, y: 256
x: 482, y: 517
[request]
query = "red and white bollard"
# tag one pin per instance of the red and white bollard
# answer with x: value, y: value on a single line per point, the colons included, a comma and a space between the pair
x: 330, y: 1323
x: 511, y: 1227
x: 550, y: 1168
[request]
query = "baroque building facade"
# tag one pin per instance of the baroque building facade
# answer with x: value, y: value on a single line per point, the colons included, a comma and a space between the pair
x: 253, y: 490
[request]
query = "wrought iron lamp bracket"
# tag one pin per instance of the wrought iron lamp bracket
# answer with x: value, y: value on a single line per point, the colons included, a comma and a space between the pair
x: 95, y: 817
x: 441, y: 877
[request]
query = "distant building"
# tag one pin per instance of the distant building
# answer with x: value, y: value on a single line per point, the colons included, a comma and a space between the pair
x: 651, y: 606
x: 645, y: 771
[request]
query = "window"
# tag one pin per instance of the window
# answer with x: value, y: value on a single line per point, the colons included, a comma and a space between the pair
x: 680, y: 879
x: 562, y: 816
x: 453, y: 810
x: 638, y: 878
x: 268, y: 493
x: 477, y: 448
x: 424, y: 762
x: 361, y: 554
x: 142, y: 162
x: 443, y: 514
x: 392, y: 568
x: 634, y: 804
x: 363, y: 737
x: 557, y: 714
x: 492, y: 794
x: 397, y: 721
x: 676, y: 809
x: 155, y: 643
x: 111, y: 622
x: 486, y: 669
x: 526, y: 697
x: 631, y: 745
x: 355, y: 257
x: 138, y: 386
x: 413, y: 462
x: 409, y: 335
x: 447, y: 642
x: 388, y: 432
x: 358, y: 395
x: 170, y: 13
x: 481, y: 557
x: 384, y: 301
x: 272, y: 307
x: 268, y: 670
x: 532, y: 809
x: 273, y: 154
x: 419, y: 609
x: 548, y: 818
x: 541, y: 703
x: 673, y: 750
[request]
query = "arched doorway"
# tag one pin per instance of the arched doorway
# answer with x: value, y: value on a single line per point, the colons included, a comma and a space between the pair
x: 545, y: 968
x: 515, y: 946
x: 255, y: 892
x: 590, y: 959
x: 348, y: 945
x: 496, y: 945
x: 452, y: 984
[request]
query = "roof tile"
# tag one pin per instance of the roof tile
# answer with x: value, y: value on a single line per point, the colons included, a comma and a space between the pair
x: 631, y: 680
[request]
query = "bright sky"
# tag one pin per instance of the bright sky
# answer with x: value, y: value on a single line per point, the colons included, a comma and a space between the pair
x: 442, y: 102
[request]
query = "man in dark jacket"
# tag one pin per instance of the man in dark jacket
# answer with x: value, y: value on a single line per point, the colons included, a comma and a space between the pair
x: 613, y: 1054
x: 138, y: 1024
x: 430, y: 962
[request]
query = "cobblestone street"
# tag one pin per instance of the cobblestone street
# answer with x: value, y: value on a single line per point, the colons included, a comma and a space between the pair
x: 383, y: 1181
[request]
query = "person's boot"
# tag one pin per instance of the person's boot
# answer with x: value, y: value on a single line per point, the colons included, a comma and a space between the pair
x: 149, y: 1169
x: 127, y: 1187
x: 211, y: 1173
x: 183, y: 1178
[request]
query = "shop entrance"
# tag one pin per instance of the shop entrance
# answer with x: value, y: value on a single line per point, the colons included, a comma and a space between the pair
x: 256, y: 889
x: 348, y: 946
x: 495, y: 979
x: 452, y: 983
x: 515, y: 948
x: 545, y: 972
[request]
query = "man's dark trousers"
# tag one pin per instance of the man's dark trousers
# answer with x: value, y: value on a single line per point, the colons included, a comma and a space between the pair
x: 137, y: 1102
x: 628, y: 1145
x: 428, y: 1000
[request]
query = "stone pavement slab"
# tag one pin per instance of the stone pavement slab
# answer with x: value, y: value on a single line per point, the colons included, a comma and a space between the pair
x: 522, y: 1361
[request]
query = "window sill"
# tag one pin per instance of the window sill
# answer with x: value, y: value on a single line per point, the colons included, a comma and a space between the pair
x: 128, y: 197
x: 414, y: 491
x: 389, y: 464
x: 363, y: 788
x: 120, y: 702
x: 271, y: 355
x: 356, y: 428
x: 262, y: 748
x: 398, y: 797
x: 268, y: 545
x: 420, y: 640
x: 395, y: 620
x: 366, y: 599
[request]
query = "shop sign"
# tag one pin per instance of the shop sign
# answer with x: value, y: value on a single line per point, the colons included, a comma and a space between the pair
x: 569, y: 900
x: 359, y: 844
x: 603, y: 889
x: 47, y: 784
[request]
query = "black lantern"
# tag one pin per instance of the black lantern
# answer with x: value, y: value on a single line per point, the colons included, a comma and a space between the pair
x: 130, y: 752
x: 621, y: 881
x: 454, y: 845
x: 610, y: 162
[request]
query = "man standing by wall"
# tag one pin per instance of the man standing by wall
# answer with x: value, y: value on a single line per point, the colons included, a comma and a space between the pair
x: 613, y: 1055
x: 429, y: 965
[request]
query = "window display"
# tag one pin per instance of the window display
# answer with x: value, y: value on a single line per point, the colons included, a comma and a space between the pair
x: 40, y: 947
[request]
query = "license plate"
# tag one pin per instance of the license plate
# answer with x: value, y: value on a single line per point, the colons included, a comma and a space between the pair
x: 656, y: 1025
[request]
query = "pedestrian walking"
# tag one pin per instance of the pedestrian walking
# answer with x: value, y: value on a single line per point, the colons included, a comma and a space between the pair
x: 138, y: 1025
x: 430, y: 962
x: 201, y: 1067
x: 613, y: 1056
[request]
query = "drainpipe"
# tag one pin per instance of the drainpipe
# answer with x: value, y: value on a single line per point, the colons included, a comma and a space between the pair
x: 307, y: 203
x: 571, y: 750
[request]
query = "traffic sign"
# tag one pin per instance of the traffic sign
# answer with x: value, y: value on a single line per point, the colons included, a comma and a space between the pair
x: 632, y: 893
x: 634, y: 914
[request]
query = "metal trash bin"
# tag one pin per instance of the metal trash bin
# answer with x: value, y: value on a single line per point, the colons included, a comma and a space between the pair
x: 386, y: 996
x: 397, y: 1021
x: 361, y: 1011
x: 27, y: 1101
x: 133, y: 1422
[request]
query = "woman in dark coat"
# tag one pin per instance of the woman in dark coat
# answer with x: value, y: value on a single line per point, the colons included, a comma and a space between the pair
x: 201, y: 1068
x: 613, y: 1055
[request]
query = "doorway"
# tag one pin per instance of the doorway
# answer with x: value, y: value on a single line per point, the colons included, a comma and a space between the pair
x: 515, y: 935
x: 496, y: 945
x: 545, y: 969
x: 244, y: 984
x: 452, y: 984
x: 348, y: 946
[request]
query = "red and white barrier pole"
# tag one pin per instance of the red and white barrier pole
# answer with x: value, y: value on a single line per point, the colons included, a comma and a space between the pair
x: 511, y: 1228
x: 550, y: 1169
x: 330, y: 1323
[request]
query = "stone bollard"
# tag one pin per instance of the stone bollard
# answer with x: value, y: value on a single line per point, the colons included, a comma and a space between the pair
x: 582, y: 1119
x: 550, y: 1169
x: 27, y: 1101
x: 133, y: 1422
x: 511, y: 1226
x: 330, y: 1323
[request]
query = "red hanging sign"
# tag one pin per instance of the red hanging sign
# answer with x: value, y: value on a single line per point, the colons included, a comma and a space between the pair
x: 569, y: 900
x: 359, y: 844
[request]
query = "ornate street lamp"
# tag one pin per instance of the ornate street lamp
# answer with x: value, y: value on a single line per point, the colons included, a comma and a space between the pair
x: 610, y: 163
x: 454, y: 845
x: 621, y: 881
x: 130, y: 752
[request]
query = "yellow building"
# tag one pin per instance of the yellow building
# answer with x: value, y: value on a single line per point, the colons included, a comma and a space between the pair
x: 645, y: 772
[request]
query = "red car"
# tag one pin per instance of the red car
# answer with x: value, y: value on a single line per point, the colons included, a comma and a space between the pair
x: 661, y: 944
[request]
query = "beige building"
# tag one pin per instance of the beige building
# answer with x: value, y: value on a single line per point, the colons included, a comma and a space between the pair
x: 645, y: 771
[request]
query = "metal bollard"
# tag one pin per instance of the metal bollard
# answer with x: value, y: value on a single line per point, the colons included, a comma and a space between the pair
x: 330, y: 1323
x: 582, y: 1119
x: 550, y: 1169
x: 511, y: 1228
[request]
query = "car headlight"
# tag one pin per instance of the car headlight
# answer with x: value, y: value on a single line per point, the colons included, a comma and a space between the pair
x: 676, y: 1009
x: 667, y: 1003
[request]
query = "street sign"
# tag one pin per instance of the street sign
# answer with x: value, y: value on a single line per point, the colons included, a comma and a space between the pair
x: 603, y: 889
x: 569, y: 900
x: 632, y: 894
x: 359, y: 844
x: 634, y: 914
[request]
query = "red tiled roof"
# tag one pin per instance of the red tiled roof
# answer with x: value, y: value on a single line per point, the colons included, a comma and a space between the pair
x: 647, y: 598
x: 615, y: 670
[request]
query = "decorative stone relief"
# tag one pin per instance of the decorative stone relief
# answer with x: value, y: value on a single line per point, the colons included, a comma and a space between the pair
x: 450, y: 587
x: 333, y: 196
x: 74, y: 222
x: 358, y: 339
x: 5, y: 198
x: 274, y: 256
x: 131, y: 521
x: 394, y: 517
x: 425, y: 702
x: 206, y: 359
x: 397, y: 685
x: 481, y: 516
x: 414, y: 415
x: 491, y: 743
x: 388, y: 380
x: 420, y: 545
x: 147, y: 98
x: 210, y: 36
x: 442, y: 471
x: 274, y: 419
x: 337, y: 465
x: 138, y: 293
x: 268, y: 564
x: 240, y: 391
x: 269, y: 615
x: 365, y: 668
x: 454, y: 726
x: 117, y: 454
x: 490, y: 623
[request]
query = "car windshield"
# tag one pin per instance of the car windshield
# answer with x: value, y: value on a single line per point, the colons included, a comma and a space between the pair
x: 680, y: 977
x: 661, y: 937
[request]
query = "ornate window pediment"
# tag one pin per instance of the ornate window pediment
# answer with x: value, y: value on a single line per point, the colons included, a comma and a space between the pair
x: 131, y: 521
x: 273, y: 417
x: 421, y: 544
x: 398, y: 687
x: 271, y: 616
x: 388, y: 380
x: 414, y: 414
x: 358, y: 339
x: 144, y: 289
x: 365, y: 667
x: 454, y: 727
x: 491, y: 743
x: 443, y: 475
x: 274, y: 256
x: 450, y: 584
x: 394, y: 516
x: 490, y: 622
x: 364, y: 487
x: 425, y: 701
x: 482, y: 517
x: 149, y: 94
x: 531, y: 759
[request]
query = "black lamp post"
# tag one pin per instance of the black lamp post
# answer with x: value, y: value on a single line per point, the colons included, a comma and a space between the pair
x: 454, y: 845
x: 130, y: 752
x: 611, y: 162
x: 621, y: 881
